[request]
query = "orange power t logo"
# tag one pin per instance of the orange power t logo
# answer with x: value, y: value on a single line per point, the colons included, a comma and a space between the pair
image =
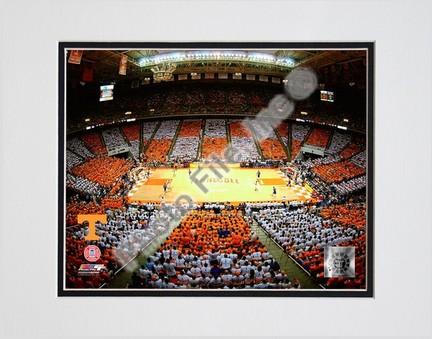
x: 91, y: 219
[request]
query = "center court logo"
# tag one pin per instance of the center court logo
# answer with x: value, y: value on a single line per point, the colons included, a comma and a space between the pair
x: 339, y: 262
x: 223, y: 180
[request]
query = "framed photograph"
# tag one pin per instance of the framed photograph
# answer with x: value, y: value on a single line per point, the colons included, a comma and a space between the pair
x: 216, y: 169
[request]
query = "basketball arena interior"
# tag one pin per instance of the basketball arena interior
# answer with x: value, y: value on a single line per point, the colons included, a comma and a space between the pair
x: 210, y: 172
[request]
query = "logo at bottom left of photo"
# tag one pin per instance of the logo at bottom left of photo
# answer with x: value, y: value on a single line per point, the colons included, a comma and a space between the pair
x: 92, y: 253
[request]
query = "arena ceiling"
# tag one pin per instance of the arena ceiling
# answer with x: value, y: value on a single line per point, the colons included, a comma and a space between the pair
x: 261, y: 62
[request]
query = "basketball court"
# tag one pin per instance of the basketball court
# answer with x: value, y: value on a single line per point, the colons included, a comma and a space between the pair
x: 235, y: 185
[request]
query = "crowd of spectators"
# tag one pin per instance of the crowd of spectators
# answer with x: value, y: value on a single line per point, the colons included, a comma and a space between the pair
x: 213, y: 246
x: 185, y: 149
x: 78, y: 147
x: 334, y: 175
x: 242, y: 142
x: 258, y: 163
x: 167, y: 129
x: 260, y: 97
x: 215, y: 139
x: 215, y: 128
x: 216, y: 251
x: 339, y: 171
x: 298, y: 230
x: 127, y: 232
x: 267, y: 139
x: 82, y: 185
x: 299, y: 133
x: 77, y: 206
x: 210, y: 98
x: 186, y: 146
x: 237, y: 96
x: 179, y: 101
x: 282, y: 131
x: 348, y: 215
x: 239, y: 129
x: 155, y: 100
x: 351, y: 149
x: 215, y: 96
x: 360, y: 159
x: 244, y: 150
x: 338, y: 142
x: 194, y: 97
x: 335, y: 114
x: 93, y: 140
x: 304, y: 232
x: 114, y: 139
x: 157, y: 151
x: 132, y: 132
x: 272, y: 149
x: 319, y: 137
x: 263, y: 129
x: 103, y: 170
x: 161, y: 142
x: 349, y: 179
x: 250, y: 207
x: 174, y: 99
x: 310, y: 163
x: 148, y: 130
x: 213, y: 147
x: 190, y: 128
x: 350, y: 186
x: 72, y: 160
x: 213, y: 230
